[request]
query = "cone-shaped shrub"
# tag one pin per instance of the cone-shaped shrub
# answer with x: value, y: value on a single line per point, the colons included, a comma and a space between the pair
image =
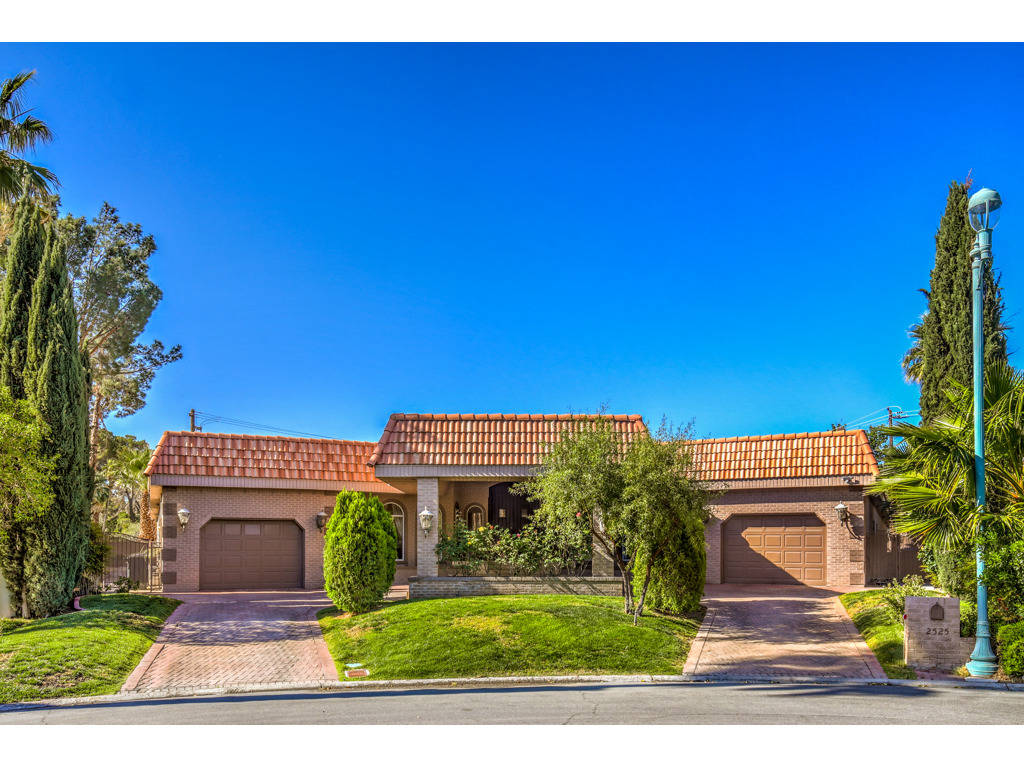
x: 360, y: 548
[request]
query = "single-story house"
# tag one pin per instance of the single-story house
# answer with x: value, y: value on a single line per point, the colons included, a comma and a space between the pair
x: 245, y: 511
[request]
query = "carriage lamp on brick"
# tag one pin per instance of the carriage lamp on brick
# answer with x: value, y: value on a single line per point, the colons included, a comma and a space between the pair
x: 183, y: 516
x: 321, y: 519
x: 426, y: 519
x: 843, y: 512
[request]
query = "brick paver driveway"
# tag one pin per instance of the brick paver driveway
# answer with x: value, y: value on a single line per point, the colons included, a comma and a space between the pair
x: 778, y: 631
x: 224, y: 639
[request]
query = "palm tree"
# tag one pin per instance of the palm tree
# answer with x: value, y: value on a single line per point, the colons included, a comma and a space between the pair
x: 21, y: 132
x: 929, y: 475
x: 127, y: 473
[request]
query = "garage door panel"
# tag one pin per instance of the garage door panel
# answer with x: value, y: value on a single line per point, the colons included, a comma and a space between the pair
x: 250, y: 554
x: 773, y: 549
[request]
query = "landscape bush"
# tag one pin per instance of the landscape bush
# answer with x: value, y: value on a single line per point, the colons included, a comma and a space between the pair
x: 360, y: 547
x: 677, y: 575
x: 535, y: 550
x: 1011, y: 649
x: 894, y: 595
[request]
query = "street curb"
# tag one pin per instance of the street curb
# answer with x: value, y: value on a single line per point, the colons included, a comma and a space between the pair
x: 327, y: 686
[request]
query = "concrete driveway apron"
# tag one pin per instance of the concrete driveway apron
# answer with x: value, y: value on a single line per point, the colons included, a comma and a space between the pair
x: 778, y: 631
x: 224, y: 639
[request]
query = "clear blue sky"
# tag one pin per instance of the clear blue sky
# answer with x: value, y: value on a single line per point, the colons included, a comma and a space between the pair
x: 725, y: 233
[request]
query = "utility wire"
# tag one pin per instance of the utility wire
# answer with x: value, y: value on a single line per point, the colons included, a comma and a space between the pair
x: 210, y: 418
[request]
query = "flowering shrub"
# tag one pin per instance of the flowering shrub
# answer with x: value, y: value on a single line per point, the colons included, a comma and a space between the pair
x: 533, y: 550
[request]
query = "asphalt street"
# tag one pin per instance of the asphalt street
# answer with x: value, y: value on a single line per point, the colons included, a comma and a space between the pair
x: 671, y: 703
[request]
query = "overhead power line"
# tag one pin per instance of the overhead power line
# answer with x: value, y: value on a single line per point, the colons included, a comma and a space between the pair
x: 205, y: 418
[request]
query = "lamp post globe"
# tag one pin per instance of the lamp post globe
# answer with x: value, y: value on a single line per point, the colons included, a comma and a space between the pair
x: 983, y: 214
x: 983, y: 209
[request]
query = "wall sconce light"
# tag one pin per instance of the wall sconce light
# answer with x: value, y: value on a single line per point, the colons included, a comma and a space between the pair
x: 321, y: 519
x: 183, y: 516
x: 843, y: 511
x: 426, y: 519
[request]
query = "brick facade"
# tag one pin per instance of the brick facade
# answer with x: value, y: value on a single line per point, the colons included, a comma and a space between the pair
x: 844, y: 543
x: 181, y: 545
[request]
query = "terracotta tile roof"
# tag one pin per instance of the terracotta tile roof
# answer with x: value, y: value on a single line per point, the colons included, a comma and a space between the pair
x: 493, y: 439
x: 264, y: 456
x: 807, y: 454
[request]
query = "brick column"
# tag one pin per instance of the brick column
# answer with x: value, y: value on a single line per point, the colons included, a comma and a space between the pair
x: 713, y: 542
x: 426, y: 541
x: 601, y: 563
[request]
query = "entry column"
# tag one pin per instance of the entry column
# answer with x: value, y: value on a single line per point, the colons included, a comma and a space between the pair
x: 426, y: 541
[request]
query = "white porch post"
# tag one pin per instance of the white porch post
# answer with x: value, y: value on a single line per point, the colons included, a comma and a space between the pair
x: 426, y: 541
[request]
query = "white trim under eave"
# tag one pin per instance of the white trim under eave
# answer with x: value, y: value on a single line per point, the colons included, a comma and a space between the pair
x: 208, y: 481
x: 454, y: 471
x: 509, y: 471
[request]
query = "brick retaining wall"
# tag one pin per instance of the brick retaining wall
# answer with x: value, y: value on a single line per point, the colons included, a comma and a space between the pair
x: 466, y: 586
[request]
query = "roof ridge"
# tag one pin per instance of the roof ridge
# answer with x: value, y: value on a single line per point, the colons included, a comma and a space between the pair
x: 778, y: 436
x: 180, y: 432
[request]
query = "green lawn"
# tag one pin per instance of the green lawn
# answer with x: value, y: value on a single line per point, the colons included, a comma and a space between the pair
x: 83, y: 653
x: 882, y: 633
x: 507, y: 635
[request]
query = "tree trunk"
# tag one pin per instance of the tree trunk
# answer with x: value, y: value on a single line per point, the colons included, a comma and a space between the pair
x: 94, y: 428
x: 147, y: 523
x: 643, y: 594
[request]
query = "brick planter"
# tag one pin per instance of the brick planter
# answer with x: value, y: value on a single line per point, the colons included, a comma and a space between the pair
x: 468, y: 586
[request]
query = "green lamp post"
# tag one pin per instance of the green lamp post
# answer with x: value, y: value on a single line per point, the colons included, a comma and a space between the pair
x: 983, y: 213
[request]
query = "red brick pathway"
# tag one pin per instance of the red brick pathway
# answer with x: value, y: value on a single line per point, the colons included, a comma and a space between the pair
x: 221, y: 639
x: 778, y: 631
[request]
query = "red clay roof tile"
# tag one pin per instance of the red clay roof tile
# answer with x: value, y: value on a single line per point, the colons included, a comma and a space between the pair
x: 492, y: 439
x: 264, y: 456
x: 807, y: 454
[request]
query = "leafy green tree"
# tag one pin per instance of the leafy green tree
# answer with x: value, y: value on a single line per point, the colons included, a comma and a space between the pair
x: 665, y: 505
x: 360, y: 547
x: 20, y: 132
x: 114, y: 299
x: 642, y: 498
x: 26, y: 476
x: 580, y: 482
x: 943, y: 346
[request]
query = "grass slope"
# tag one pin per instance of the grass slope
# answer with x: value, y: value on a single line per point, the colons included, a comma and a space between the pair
x: 882, y: 632
x: 507, y: 635
x: 83, y: 653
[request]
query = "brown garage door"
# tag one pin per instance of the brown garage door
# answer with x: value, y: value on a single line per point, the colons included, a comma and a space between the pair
x: 250, y: 554
x: 773, y: 549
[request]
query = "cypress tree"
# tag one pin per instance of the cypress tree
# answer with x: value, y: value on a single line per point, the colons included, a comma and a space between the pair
x: 944, y: 344
x: 56, y: 382
x: 24, y: 255
x: 944, y: 350
x: 21, y: 266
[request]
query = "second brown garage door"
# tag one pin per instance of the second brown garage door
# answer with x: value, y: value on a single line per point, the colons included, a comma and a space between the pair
x: 250, y: 554
x: 773, y: 549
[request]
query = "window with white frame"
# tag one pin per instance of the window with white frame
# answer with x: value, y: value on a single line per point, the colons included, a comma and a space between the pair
x: 398, y: 518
